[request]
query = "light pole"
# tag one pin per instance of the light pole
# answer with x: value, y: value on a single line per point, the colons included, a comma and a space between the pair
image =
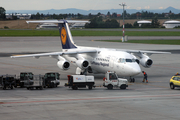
x: 123, y: 4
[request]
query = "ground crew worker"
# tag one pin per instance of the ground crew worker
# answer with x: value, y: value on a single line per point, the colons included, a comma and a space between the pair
x: 145, y: 77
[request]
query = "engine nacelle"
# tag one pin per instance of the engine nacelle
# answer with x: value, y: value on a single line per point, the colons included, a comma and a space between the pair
x: 83, y: 64
x: 64, y: 65
x: 146, y: 62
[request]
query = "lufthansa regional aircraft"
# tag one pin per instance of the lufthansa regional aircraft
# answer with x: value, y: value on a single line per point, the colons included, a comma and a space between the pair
x: 95, y: 60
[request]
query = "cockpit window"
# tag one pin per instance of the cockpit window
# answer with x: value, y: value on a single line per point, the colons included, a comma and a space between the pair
x: 128, y: 60
x: 121, y: 60
x: 133, y: 60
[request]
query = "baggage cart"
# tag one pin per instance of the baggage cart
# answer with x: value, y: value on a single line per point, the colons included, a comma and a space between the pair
x: 80, y: 81
x: 7, y: 81
x: 37, y: 82
x: 1, y: 81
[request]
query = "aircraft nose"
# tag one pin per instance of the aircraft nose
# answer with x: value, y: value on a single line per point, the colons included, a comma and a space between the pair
x: 135, y: 69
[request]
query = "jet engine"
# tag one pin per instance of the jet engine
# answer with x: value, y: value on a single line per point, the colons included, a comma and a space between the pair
x: 64, y: 65
x: 145, y: 61
x: 82, y: 63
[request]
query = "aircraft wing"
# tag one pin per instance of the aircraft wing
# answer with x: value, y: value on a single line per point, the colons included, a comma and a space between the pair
x: 55, y: 53
x: 143, y: 52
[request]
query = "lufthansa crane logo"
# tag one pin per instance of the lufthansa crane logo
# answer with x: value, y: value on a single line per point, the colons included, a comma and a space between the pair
x: 63, y: 35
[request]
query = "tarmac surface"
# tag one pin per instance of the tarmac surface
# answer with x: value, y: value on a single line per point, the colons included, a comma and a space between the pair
x: 140, y: 101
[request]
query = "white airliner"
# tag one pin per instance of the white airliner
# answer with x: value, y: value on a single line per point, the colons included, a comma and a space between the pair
x: 95, y: 60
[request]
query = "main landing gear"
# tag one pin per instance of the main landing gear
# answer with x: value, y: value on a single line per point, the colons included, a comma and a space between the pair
x: 131, y: 79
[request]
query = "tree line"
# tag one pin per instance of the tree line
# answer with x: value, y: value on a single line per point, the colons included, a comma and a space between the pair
x: 97, y: 22
x: 56, y: 16
x: 2, y: 13
x: 137, y: 15
x: 150, y: 15
x: 104, y: 21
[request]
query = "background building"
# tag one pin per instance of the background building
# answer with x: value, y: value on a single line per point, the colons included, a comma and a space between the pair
x: 171, y: 24
x: 19, y: 16
x: 143, y: 22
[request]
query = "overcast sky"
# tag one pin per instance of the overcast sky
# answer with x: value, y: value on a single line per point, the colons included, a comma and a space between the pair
x: 87, y: 4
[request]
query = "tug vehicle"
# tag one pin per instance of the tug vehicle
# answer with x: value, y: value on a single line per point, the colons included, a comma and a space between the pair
x: 24, y: 79
x: 52, y: 79
x: 111, y: 80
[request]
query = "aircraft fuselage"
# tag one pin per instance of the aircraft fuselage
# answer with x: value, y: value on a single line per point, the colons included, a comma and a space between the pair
x: 105, y: 60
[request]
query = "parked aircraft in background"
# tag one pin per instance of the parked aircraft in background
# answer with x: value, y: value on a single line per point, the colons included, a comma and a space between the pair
x: 95, y: 60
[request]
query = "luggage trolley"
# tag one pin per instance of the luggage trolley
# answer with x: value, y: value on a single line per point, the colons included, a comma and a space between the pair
x: 23, y: 79
x: 1, y: 81
x: 37, y: 82
x: 7, y: 81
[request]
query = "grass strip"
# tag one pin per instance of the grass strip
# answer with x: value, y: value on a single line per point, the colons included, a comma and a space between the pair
x: 86, y: 33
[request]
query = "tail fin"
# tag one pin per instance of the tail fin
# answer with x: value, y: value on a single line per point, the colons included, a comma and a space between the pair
x: 65, y: 36
x: 65, y: 33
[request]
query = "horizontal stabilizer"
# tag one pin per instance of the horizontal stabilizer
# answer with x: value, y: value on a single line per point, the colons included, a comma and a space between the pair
x: 57, y: 21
